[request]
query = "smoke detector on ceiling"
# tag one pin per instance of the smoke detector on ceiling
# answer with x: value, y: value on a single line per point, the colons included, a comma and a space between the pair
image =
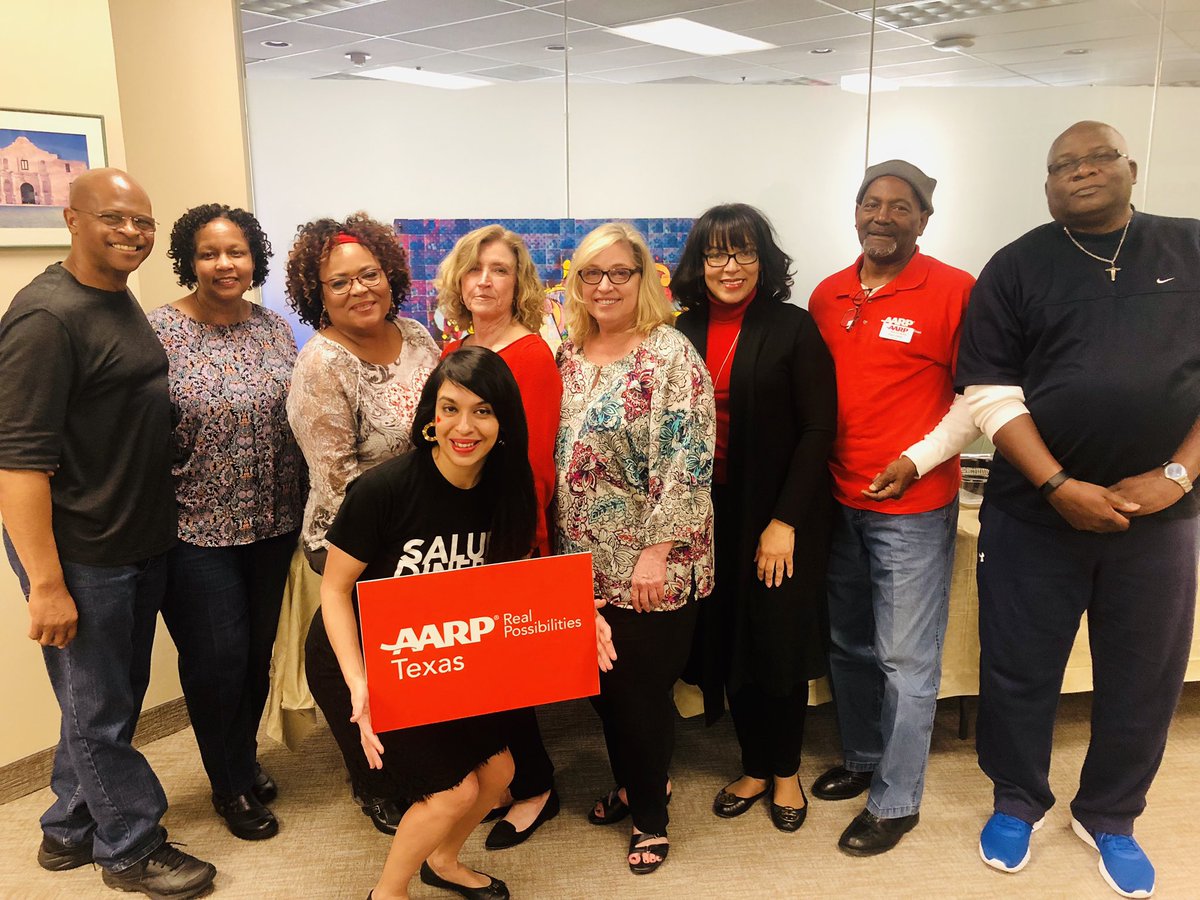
x: 358, y: 58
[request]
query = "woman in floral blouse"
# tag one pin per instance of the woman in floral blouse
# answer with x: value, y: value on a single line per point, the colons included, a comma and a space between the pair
x: 635, y: 462
x: 239, y: 480
x: 354, y: 389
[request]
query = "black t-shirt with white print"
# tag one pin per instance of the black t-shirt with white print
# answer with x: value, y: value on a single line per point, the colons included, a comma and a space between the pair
x: 403, y: 517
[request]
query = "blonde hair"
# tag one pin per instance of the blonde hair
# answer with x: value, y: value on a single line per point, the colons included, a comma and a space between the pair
x: 529, y: 300
x: 653, y: 307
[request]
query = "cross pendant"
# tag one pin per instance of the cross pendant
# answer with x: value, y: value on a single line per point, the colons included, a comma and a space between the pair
x: 1112, y: 271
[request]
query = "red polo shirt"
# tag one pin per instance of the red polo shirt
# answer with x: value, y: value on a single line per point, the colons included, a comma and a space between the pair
x: 895, y: 375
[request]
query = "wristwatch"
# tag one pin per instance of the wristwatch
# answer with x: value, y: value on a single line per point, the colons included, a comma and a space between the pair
x: 1178, y: 474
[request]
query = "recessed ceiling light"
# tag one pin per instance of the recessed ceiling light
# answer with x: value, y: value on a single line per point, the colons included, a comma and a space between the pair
x: 1077, y: 51
x: 861, y: 83
x: 954, y: 44
x: 821, y: 51
x: 424, y: 78
x: 691, y: 37
x: 558, y: 48
x: 277, y: 45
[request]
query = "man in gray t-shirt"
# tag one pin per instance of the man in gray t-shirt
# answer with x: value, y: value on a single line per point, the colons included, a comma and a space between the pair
x: 89, y: 512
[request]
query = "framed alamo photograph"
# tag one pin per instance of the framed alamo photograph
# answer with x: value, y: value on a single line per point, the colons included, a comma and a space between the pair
x: 41, y: 153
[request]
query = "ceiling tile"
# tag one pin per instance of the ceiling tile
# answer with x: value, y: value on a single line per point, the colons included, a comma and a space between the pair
x: 502, y: 29
x: 383, y: 52
x: 623, y: 12
x: 251, y: 20
x: 395, y: 16
x: 582, y: 42
x: 299, y: 35
x: 454, y: 63
x: 738, y: 17
x: 644, y: 54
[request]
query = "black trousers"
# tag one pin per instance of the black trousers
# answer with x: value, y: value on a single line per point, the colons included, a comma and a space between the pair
x: 1138, y: 589
x: 636, y: 706
x: 770, y: 730
x: 533, y: 771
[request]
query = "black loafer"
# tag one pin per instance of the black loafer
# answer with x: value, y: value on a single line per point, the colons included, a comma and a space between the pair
x: 497, y: 890
x: 730, y: 806
x: 789, y: 818
x: 246, y: 817
x: 264, y: 785
x: 840, y: 783
x: 503, y: 835
x: 56, y: 857
x: 869, y: 835
x: 385, y: 815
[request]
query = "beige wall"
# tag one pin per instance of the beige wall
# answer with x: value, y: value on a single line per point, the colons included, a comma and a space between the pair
x: 165, y: 76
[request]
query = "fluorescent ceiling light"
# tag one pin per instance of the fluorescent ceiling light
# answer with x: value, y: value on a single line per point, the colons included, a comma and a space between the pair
x: 424, y: 78
x: 692, y: 37
x: 860, y: 84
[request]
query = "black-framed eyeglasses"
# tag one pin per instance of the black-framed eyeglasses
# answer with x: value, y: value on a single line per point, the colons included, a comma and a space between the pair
x: 719, y: 259
x: 1099, y: 160
x: 616, y: 275
x: 852, y: 315
x: 116, y: 221
x: 343, y: 283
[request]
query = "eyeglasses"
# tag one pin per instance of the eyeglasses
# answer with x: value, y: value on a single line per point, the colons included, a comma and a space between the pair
x: 616, y: 275
x: 342, y: 284
x: 1099, y: 160
x: 718, y: 259
x: 116, y: 221
x: 850, y: 319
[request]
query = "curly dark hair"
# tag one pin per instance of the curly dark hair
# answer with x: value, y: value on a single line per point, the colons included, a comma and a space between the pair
x: 732, y: 226
x: 314, y: 240
x: 183, y: 240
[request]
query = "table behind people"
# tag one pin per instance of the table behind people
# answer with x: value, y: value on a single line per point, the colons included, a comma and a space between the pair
x: 489, y: 286
x: 240, y: 485
x: 760, y: 635
x: 634, y: 461
x: 1081, y: 359
x: 467, y: 483
x: 354, y: 390
x: 89, y: 513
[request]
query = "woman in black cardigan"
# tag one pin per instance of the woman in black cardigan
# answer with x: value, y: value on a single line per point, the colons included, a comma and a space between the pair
x: 761, y: 634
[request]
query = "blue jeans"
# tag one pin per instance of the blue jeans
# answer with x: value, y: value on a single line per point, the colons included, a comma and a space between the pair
x: 889, y: 592
x: 222, y: 609
x: 106, y: 793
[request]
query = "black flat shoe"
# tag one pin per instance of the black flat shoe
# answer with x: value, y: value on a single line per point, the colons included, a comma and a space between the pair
x: 246, y: 817
x: 497, y: 890
x: 264, y: 785
x: 729, y: 806
x: 839, y: 783
x: 789, y: 818
x: 869, y: 835
x: 385, y: 815
x: 503, y: 835
x: 498, y: 813
x: 658, y: 845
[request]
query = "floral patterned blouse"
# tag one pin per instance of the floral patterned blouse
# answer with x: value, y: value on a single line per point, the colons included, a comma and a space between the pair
x: 350, y: 415
x: 635, y: 464
x: 239, y: 476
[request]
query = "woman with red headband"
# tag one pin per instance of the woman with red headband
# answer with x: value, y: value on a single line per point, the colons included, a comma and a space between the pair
x: 354, y: 389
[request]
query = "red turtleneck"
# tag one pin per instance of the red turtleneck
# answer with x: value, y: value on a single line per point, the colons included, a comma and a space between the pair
x: 724, y: 327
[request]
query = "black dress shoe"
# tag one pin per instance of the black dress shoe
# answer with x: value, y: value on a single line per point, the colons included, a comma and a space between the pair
x: 789, y: 818
x: 264, y: 785
x: 57, y: 857
x: 246, y: 817
x: 869, y: 835
x: 385, y: 815
x: 729, y: 806
x: 497, y: 890
x: 840, y: 783
x: 503, y: 835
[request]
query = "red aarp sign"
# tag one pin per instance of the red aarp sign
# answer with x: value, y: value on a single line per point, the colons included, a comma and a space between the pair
x: 447, y: 645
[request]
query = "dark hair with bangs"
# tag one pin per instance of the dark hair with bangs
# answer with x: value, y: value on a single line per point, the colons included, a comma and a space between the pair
x: 507, y: 478
x: 732, y: 226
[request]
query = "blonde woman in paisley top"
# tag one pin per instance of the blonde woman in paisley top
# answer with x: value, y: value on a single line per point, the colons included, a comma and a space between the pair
x: 635, y: 460
x: 355, y: 386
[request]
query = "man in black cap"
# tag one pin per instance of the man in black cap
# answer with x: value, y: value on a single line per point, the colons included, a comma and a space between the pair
x: 891, y: 321
x: 1081, y: 360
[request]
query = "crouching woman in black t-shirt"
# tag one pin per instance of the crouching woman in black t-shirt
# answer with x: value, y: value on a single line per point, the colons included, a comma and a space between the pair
x: 466, y: 485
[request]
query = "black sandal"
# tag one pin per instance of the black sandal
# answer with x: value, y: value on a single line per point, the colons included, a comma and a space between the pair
x: 614, y: 809
x: 658, y: 846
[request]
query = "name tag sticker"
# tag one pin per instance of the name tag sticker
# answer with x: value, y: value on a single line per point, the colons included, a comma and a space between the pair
x: 897, y: 329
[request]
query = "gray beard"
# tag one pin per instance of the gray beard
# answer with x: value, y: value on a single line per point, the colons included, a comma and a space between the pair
x: 877, y: 252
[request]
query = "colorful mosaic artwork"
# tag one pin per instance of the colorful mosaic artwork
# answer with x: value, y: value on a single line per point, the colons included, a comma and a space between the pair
x: 551, y: 243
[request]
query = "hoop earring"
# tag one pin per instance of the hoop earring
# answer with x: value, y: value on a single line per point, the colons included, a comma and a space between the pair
x: 425, y: 433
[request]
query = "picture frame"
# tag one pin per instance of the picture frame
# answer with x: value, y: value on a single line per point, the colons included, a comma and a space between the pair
x: 41, y: 153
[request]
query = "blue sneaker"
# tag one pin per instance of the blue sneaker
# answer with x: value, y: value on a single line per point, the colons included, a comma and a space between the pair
x: 1122, y: 862
x: 1004, y: 842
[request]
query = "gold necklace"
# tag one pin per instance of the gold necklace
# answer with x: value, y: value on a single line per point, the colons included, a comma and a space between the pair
x: 1112, y: 269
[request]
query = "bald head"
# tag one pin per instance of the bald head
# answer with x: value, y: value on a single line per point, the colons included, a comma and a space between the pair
x: 1087, y: 129
x: 112, y: 228
x: 87, y: 187
x: 1090, y: 178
